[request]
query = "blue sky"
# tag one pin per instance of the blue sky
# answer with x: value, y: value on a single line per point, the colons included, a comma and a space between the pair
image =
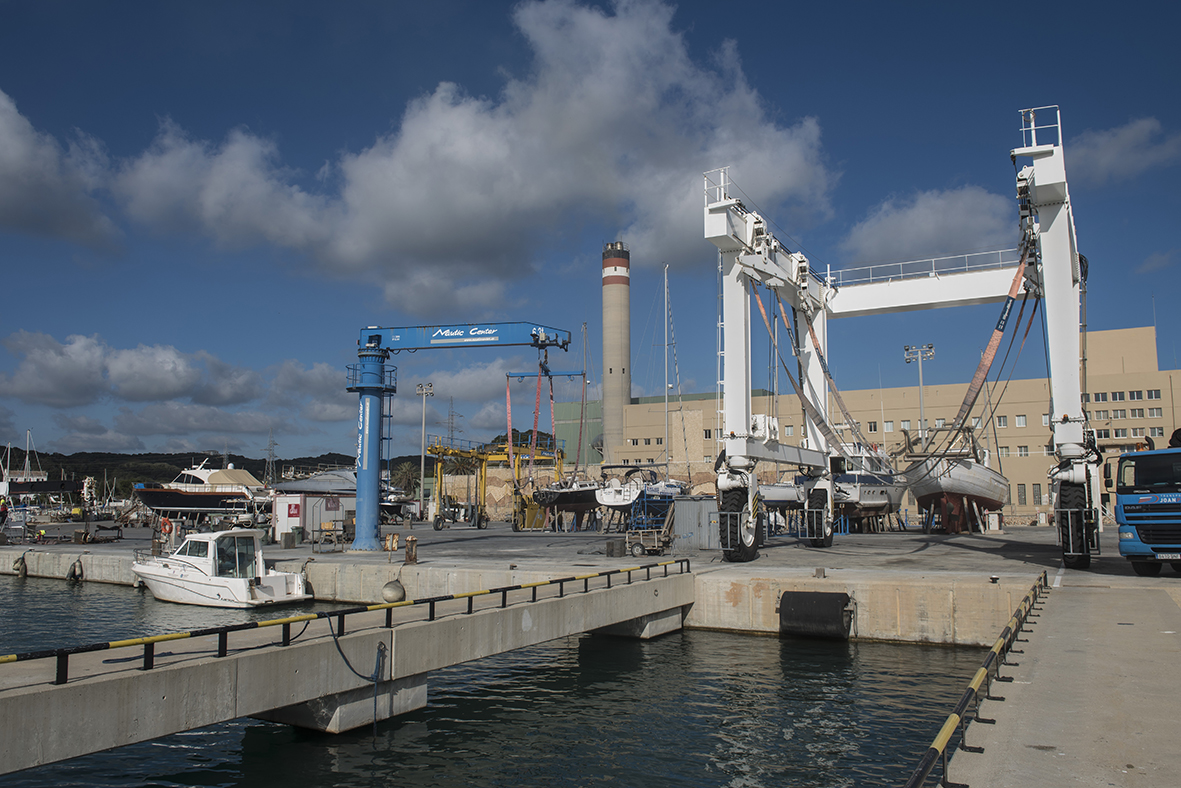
x: 202, y: 203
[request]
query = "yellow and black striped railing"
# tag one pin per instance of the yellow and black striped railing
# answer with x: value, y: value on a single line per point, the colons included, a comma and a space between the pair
x: 968, y: 706
x: 62, y: 655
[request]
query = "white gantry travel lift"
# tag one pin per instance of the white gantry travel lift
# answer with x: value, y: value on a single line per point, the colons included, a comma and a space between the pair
x: 751, y: 257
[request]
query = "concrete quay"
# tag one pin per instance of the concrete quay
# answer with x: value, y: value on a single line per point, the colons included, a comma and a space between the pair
x: 1088, y: 704
x: 904, y: 586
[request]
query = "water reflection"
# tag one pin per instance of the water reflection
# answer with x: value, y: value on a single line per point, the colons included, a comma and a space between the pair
x: 688, y: 709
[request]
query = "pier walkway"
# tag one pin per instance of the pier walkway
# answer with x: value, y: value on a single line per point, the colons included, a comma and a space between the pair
x: 1092, y: 699
x: 110, y: 699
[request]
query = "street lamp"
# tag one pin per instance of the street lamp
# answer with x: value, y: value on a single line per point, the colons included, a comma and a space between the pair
x: 423, y: 390
x: 920, y: 353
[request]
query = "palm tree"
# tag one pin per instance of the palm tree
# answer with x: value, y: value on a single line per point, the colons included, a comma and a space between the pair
x: 405, y: 476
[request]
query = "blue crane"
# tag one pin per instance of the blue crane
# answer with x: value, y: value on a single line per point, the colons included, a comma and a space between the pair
x: 373, y: 382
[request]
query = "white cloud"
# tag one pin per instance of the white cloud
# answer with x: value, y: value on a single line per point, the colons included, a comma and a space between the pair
x: 56, y: 374
x: 45, y: 190
x: 613, y: 123
x: 106, y: 441
x: 934, y: 223
x: 149, y: 373
x: 179, y: 418
x: 1157, y: 261
x: 1094, y: 158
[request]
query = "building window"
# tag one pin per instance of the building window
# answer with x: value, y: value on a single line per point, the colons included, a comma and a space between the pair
x: 1037, y: 495
x: 873, y: 426
x: 1135, y: 395
x: 975, y: 422
x: 1022, y: 451
x: 1117, y: 396
x: 1154, y: 393
x: 635, y: 441
x: 1020, y: 421
x: 709, y: 435
x: 1102, y: 434
x: 1119, y: 414
x: 906, y: 424
x: 1100, y: 396
x: 1020, y: 494
x: 887, y: 426
x: 707, y: 458
x: 940, y: 422
x: 626, y: 461
x: 647, y: 441
x: 1137, y: 432
x: 1137, y: 413
x: 1002, y: 451
x: 660, y: 441
x: 1045, y: 419
x: 1049, y: 449
x: 1101, y: 415
x: 789, y: 430
x: 651, y: 461
x: 1086, y: 397
x: 1156, y: 432
x: 1002, y: 421
x: 1122, y: 432
x: 1154, y: 413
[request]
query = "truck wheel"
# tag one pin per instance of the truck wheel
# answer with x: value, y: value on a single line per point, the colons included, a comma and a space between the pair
x: 818, y: 499
x: 1074, y: 497
x: 1176, y: 567
x: 1146, y: 568
x: 741, y: 539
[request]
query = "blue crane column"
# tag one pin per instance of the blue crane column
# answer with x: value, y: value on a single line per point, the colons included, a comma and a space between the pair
x: 370, y: 379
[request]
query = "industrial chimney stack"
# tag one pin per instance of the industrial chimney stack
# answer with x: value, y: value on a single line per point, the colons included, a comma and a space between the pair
x: 617, y: 380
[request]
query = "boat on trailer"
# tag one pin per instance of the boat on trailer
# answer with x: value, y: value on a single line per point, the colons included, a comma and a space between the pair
x: 220, y: 569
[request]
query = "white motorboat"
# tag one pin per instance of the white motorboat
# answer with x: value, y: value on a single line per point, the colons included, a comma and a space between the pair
x: 222, y: 569
x: 869, y: 487
x: 622, y: 494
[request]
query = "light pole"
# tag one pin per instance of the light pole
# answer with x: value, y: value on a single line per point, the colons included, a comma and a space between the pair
x: 920, y: 353
x: 423, y: 390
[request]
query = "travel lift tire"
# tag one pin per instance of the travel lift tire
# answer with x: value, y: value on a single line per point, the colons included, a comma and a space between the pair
x: 1073, y: 497
x: 818, y: 499
x: 439, y: 523
x: 742, y: 538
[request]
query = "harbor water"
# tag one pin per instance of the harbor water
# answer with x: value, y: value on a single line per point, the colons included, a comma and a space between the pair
x: 688, y: 709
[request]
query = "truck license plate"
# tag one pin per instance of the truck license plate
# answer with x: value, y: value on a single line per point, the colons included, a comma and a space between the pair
x: 1169, y: 556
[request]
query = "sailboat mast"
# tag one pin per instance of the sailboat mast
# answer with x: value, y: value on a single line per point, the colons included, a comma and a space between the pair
x: 667, y: 454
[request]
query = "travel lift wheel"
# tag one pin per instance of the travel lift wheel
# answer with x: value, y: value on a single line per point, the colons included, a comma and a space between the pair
x: 818, y: 499
x: 1073, y: 497
x: 741, y: 536
x: 439, y: 522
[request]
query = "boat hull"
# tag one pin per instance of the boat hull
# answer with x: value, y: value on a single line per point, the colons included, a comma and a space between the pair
x: 935, y: 477
x: 190, y: 587
x: 578, y: 499
x: 170, y: 502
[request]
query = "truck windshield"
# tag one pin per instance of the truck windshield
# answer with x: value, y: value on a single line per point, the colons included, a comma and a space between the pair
x: 1158, y: 472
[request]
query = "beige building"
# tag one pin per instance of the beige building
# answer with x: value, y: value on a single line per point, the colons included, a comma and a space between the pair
x: 1130, y: 399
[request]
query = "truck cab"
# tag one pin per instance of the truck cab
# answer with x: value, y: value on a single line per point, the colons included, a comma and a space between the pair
x: 1147, y: 488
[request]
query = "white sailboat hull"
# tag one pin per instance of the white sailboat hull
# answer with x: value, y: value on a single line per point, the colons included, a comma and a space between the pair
x: 938, y: 476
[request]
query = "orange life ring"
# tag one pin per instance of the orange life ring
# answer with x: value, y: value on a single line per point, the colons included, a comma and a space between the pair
x: 165, y: 526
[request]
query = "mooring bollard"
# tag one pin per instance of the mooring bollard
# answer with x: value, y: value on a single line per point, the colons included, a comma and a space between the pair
x: 411, y: 550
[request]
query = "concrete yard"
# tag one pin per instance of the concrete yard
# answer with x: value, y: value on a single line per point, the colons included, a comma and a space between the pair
x: 1089, y: 704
